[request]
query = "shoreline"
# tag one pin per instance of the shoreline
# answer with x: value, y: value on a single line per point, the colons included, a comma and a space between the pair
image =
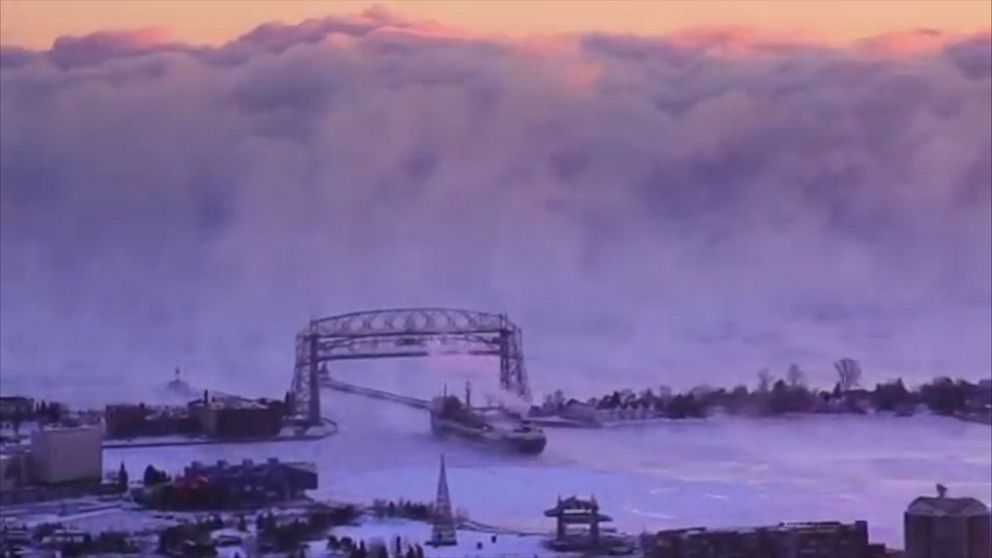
x: 332, y: 429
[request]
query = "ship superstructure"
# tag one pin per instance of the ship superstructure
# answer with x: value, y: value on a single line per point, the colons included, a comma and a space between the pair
x: 450, y: 416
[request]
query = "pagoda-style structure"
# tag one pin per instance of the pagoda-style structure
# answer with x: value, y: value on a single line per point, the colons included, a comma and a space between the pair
x: 443, y: 531
x: 572, y: 512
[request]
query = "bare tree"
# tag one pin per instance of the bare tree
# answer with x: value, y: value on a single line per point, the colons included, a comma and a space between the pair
x: 764, y: 380
x: 796, y: 376
x: 848, y: 373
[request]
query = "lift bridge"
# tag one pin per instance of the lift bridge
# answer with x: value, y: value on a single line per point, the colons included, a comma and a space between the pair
x: 404, y: 332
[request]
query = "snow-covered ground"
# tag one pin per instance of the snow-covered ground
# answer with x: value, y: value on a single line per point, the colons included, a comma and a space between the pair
x: 470, y: 544
x: 721, y: 471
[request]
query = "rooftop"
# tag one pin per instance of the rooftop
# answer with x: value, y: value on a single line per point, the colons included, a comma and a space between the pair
x: 66, y: 429
x: 941, y: 506
x: 819, y: 526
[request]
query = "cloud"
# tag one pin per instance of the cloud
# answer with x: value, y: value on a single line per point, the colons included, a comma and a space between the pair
x: 973, y: 56
x: 649, y: 209
x: 917, y: 41
x: 99, y: 47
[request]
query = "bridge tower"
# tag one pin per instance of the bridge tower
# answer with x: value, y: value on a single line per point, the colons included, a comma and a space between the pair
x: 306, y: 379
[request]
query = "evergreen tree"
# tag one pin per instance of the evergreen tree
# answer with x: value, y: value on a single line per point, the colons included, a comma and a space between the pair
x: 122, y: 478
x: 151, y: 476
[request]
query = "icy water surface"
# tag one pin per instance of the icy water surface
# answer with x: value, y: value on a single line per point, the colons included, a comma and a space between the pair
x: 717, y: 472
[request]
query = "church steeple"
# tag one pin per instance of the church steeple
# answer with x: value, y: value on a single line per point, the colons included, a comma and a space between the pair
x: 443, y: 532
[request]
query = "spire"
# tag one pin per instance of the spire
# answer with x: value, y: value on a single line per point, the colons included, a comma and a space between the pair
x: 443, y: 532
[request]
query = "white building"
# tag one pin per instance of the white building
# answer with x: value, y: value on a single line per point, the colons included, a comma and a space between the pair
x: 67, y: 454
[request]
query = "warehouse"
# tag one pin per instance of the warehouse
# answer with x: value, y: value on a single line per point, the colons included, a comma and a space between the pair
x: 67, y: 455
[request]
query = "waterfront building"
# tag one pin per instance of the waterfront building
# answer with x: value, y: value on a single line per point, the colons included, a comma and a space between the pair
x: 937, y: 527
x: 63, y: 455
x: 213, y: 415
x: 236, y: 417
x: 226, y: 485
x: 125, y: 421
x: 785, y: 540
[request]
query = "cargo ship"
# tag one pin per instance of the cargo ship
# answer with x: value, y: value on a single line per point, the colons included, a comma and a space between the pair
x: 449, y: 416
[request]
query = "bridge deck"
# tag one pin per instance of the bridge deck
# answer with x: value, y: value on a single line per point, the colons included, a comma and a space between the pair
x: 338, y: 385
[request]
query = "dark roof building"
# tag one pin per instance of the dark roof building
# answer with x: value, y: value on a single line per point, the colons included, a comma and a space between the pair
x: 16, y: 407
x: 825, y: 539
x: 939, y: 527
x: 225, y: 486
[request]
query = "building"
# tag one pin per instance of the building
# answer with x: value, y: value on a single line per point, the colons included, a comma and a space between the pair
x: 213, y: 415
x: 979, y: 399
x: 250, y: 481
x: 16, y: 408
x: 14, y: 541
x: 708, y: 543
x: 125, y: 421
x: 15, y: 470
x: 579, y: 411
x: 824, y: 539
x: 785, y: 540
x: 937, y: 527
x: 235, y: 417
x: 224, y: 485
x: 64, y: 455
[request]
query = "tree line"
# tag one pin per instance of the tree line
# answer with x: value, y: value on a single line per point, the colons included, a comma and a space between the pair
x: 791, y: 394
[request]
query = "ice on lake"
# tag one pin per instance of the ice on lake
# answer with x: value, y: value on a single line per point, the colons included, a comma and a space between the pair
x: 717, y: 472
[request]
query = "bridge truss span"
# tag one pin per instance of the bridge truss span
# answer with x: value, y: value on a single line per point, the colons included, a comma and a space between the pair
x: 406, y: 332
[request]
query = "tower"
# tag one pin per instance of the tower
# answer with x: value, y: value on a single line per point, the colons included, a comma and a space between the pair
x: 313, y: 409
x: 594, y: 522
x: 443, y: 531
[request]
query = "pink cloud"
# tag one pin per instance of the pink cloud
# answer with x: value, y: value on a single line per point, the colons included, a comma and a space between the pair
x: 647, y: 207
x: 98, y: 47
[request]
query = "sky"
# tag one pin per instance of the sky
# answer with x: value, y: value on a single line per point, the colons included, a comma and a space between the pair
x: 36, y: 23
x: 676, y: 205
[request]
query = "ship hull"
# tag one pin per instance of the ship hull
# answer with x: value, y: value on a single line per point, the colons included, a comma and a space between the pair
x: 508, y: 441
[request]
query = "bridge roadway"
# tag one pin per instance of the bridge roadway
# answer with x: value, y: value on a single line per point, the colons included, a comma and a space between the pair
x: 413, y: 402
x: 373, y: 393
